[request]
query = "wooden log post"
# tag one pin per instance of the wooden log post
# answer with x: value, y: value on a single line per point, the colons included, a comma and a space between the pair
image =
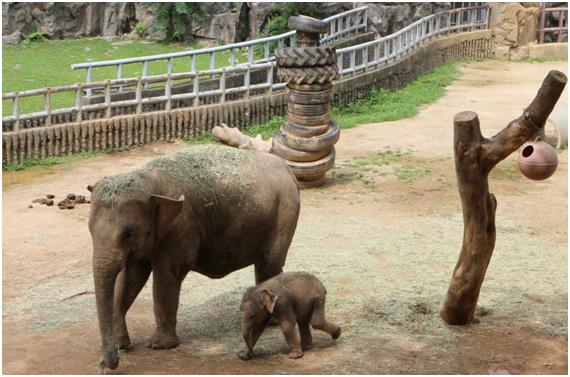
x: 475, y: 157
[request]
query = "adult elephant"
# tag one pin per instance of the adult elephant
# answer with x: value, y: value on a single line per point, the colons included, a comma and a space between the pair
x: 209, y: 209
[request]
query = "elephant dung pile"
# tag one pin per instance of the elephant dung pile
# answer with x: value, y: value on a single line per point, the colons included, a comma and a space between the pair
x: 68, y: 203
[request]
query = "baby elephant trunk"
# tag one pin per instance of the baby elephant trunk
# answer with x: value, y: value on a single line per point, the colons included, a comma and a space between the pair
x: 252, y: 334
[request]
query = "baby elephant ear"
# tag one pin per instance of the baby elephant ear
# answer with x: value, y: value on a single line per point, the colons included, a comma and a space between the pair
x: 269, y: 299
x: 165, y: 212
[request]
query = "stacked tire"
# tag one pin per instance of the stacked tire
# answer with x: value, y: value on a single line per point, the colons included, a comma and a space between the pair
x: 306, y: 141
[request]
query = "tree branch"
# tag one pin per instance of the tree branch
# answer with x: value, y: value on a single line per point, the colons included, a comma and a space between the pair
x: 522, y: 129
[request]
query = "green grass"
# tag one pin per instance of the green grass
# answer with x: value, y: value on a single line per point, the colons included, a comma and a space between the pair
x: 47, y: 64
x: 49, y: 161
x: 266, y: 130
x: 368, y: 169
x: 383, y: 105
x: 542, y: 59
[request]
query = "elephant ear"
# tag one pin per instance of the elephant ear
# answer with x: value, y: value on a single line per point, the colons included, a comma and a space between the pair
x: 269, y: 299
x: 166, y: 210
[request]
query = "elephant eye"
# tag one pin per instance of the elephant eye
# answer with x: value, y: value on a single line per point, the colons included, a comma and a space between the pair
x: 128, y: 233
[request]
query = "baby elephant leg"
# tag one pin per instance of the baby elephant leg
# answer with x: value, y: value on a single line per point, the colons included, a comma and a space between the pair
x: 319, y: 322
x: 306, y: 337
x: 292, y: 338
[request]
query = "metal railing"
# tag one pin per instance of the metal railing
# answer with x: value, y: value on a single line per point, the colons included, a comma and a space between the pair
x: 371, y: 54
x: 558, y: 15
x: 341, y: 25
x: 167, y: 97
x: 240, y: 81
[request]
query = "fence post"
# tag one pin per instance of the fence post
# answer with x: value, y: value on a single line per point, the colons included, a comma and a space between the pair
x: 16, y: 111
x: 560, y: 25
x: 270, y: 78
x: 246, y: 81
x: 47, y: 107
x: 79, y: 115
x: 250, y: 54
x: 145, y: 72
x: 266, y: 51
x: 138, y: 95
x: 89, y: 80
x: 109, y: 112
x: 196, y: 89
x: 223, y: 86
x: 120, y: 75
x: 232, y: 58
x: 167, y: 93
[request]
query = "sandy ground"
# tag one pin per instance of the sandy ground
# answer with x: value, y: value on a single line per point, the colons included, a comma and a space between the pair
x: 382, y: 238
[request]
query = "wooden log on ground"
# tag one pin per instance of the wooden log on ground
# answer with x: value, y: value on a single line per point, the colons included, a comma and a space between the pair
x: 233, y: 137
x: 475, y: 157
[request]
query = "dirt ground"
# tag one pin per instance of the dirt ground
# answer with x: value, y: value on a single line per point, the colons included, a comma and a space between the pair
x: 383, y: 235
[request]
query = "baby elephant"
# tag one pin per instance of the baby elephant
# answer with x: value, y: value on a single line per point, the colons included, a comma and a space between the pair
x: 290, y: 298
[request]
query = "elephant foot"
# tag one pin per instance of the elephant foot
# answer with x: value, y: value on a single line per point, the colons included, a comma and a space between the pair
x: 162, y: 341
x: 245, y: 355
x: 295, y: 354
x: 123, y: 341
x: 336, y: 334
x: 308, y: 346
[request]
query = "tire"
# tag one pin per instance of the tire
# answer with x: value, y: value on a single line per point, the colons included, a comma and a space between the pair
x: 308, y: 98
x: 308, y: 75
x: 305, y: 131
x: 307, y: 24
x: 306, y: 120
x: 318, y: 109
x: 289, y: 154
x: 310, y: 171
x: 310, y: 88
x: 305, y: 57
x: 315, y: 143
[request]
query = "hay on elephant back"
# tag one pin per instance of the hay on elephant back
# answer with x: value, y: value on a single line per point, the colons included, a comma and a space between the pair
x: 207, y: 169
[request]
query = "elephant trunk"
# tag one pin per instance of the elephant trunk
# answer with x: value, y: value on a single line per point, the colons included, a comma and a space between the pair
x: 105, y: 270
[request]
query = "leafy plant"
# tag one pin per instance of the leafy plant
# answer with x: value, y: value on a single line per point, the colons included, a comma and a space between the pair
x: 280, y: 13
x: 140, y: 29
x: 34, y: 35
x: 174, y: 18
x: 279, y: 18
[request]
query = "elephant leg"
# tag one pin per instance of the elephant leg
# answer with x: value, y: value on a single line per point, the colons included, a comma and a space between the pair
x: 276, y: 246
x: 166, y: 294
x: 306, y: 337
x: 129, y: 283
x: 319, y: 321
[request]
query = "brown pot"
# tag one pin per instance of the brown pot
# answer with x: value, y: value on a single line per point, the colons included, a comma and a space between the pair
x: 537, y: 160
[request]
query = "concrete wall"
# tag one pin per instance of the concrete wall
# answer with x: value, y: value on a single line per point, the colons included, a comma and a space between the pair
x: 131, y: 130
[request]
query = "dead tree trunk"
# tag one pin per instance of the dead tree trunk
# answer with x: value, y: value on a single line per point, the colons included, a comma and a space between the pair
x: 234, y: 138
x: 475, y: 157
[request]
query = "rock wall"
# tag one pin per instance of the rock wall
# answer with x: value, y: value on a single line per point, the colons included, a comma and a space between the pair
x: 389, y: 17
x: 514, y: 27
x: 224, y: 22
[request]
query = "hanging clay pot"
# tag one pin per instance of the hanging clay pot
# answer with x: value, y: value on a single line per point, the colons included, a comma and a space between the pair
x: 537, y: 160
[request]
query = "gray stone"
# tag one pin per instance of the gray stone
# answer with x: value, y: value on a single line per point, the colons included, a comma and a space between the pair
x: 12, y: 39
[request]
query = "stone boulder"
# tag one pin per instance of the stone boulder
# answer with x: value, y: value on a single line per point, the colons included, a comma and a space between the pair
x: 514, y: 25
x: 12, y: 39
